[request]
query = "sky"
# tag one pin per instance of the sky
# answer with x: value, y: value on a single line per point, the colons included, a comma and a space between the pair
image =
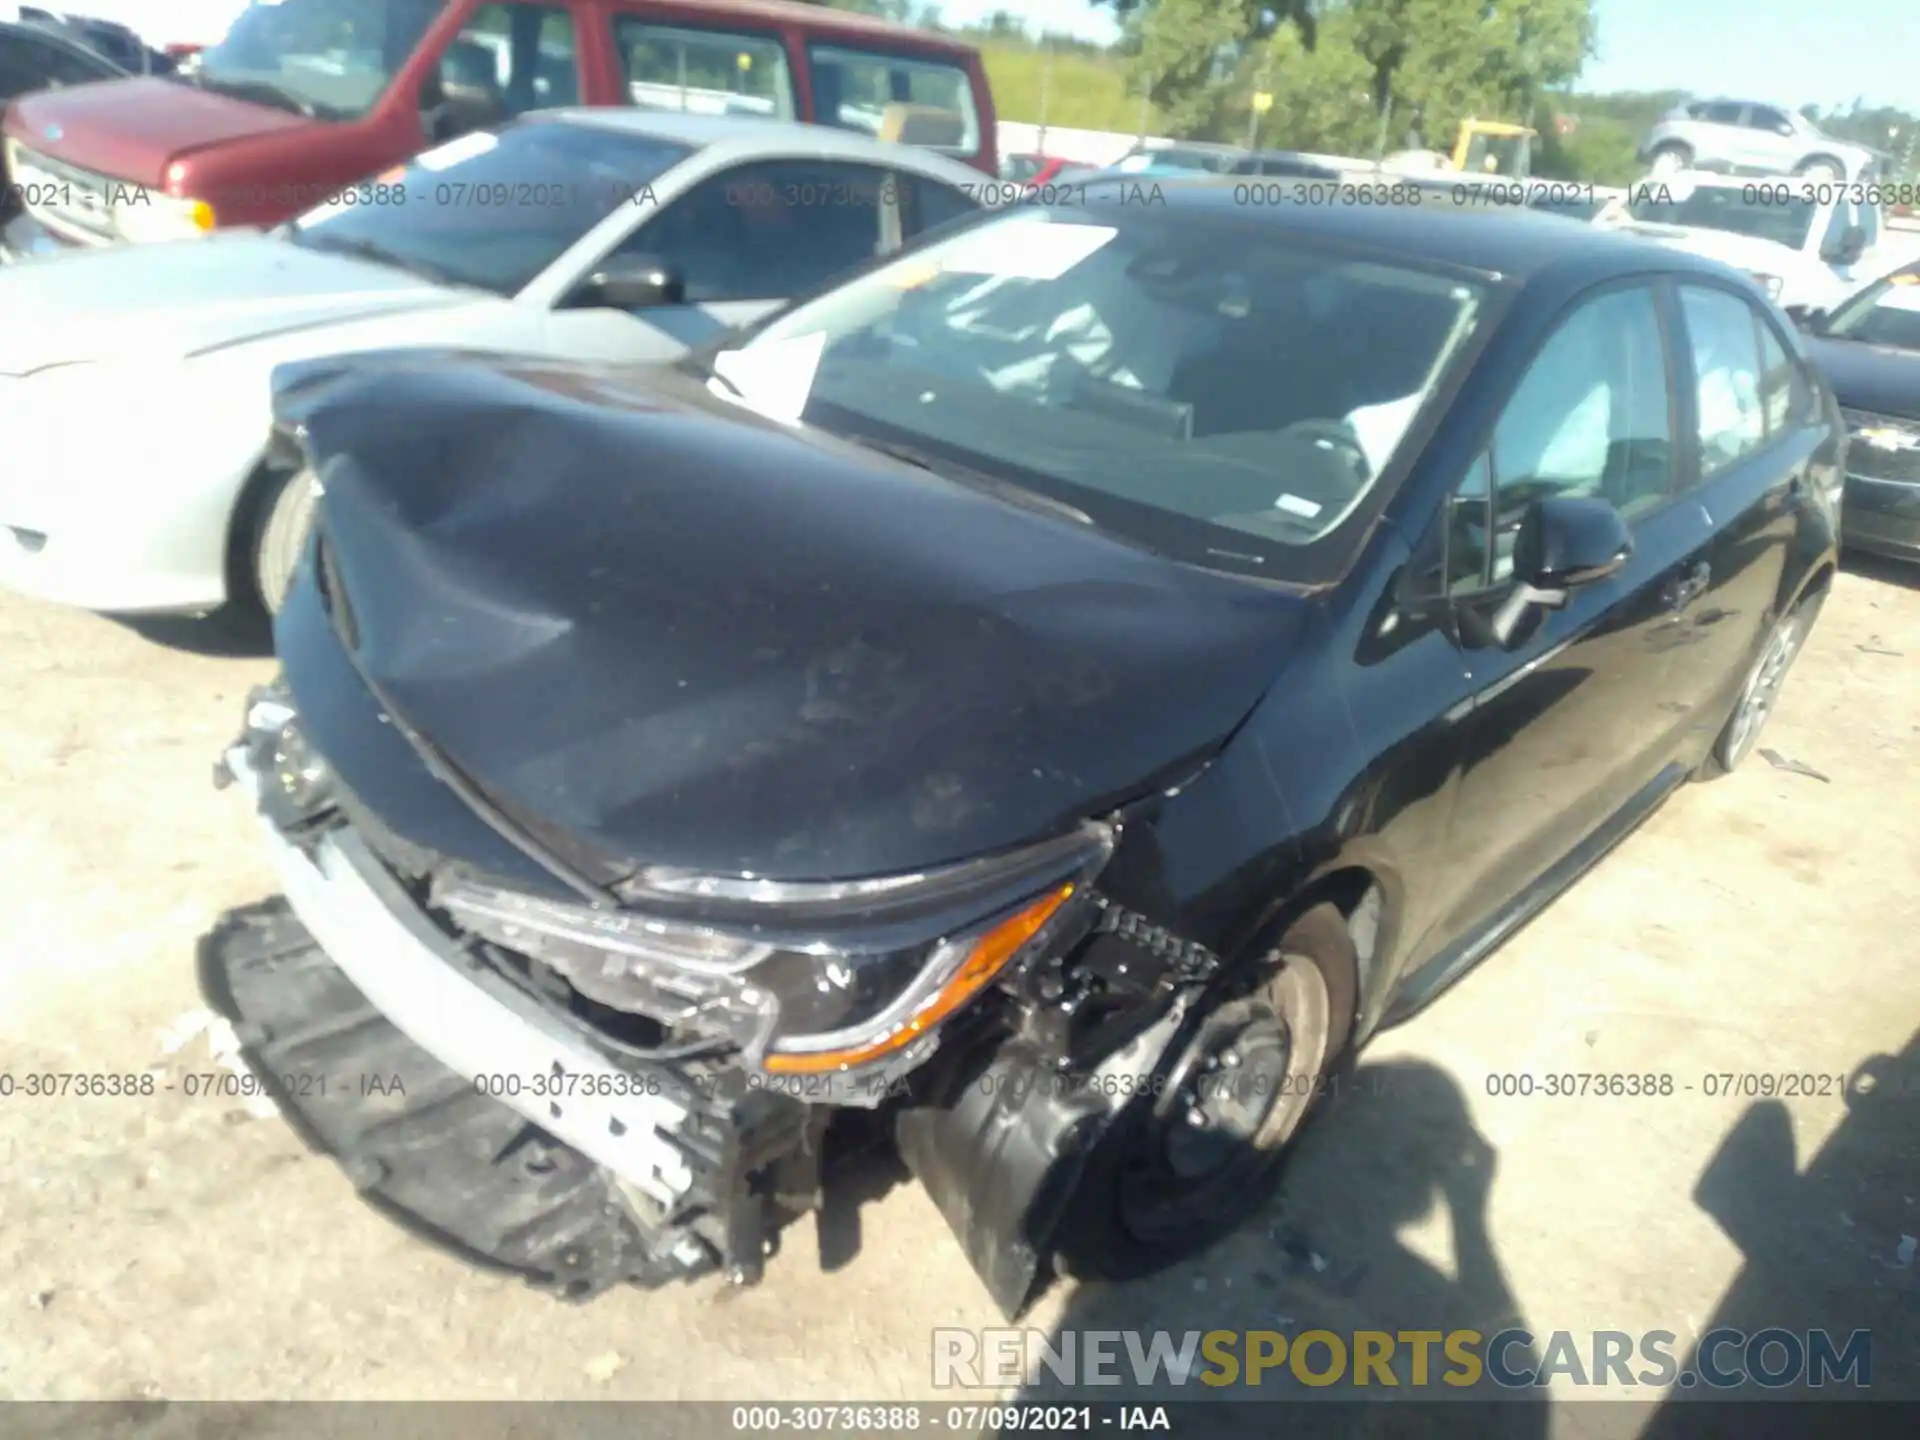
x: 1789, y: 51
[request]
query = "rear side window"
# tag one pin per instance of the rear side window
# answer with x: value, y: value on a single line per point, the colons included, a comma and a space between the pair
x: 705, y: 72
x: 1785, y: 397
x: 1723, y: 114
x: 917, y: 102
x: 1726, y: 367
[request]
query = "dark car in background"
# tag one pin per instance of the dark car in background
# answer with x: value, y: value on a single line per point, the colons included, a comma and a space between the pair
x: 1051, y: 695
x: 1869, y: 349
x: 37, y: 56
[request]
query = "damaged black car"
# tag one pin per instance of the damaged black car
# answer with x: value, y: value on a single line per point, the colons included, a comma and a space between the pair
x: 1042, y: 702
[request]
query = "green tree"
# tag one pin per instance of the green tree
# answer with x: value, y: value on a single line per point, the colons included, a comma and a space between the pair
x: 1428, y: 63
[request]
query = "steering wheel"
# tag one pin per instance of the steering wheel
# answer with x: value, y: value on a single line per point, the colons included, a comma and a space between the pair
x: 1338, y: 437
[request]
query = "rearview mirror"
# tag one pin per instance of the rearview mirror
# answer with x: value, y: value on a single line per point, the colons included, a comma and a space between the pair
x: 1565, y: 542
x: 635, y: 282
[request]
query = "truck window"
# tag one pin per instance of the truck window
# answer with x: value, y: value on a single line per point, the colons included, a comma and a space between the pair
x: 510, y: 58
x: 918, y: 102
x: 705, y: 72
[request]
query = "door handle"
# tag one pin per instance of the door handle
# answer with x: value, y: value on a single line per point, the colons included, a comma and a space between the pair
x: 1682, y: 590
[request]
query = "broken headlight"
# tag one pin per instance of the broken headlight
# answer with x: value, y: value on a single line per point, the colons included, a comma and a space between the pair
x: 807, y: 979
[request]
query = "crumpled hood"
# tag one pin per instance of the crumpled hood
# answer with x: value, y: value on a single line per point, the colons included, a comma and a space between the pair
x: 133, y: 129
x: 189, y: 296
x: 683, y: 636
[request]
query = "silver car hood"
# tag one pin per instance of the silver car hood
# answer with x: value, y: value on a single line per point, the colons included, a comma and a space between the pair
x: 185, y: 298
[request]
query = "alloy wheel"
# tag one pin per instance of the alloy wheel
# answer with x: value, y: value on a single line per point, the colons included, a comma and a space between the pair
x: 1763, y: 687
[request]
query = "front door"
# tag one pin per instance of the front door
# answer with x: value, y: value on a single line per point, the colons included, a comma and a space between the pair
x: 1578, y: 715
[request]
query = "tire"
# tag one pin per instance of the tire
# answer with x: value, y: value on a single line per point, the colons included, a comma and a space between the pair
x: 1822, y: 169
x: 280, y: 537
x: 1670, y: 160
x: 1761, y: 690
x: 1309, y: 979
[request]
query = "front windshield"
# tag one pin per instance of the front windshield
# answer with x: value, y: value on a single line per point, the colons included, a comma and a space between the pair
x: 1204, y: 385
x: 1785, y: 219
x: 494, y: 209
x: 327, y: 59
x: 1886, y: 313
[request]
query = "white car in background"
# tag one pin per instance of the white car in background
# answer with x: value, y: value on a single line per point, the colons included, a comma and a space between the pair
x: 135, y: 380
x: 1808, y: 243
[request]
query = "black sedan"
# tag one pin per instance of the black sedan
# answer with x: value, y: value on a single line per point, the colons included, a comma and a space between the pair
x: 1055, y: 694
x: 1870, y: 351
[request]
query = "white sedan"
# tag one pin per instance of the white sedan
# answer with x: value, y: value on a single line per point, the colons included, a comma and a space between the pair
x: 135, y: 473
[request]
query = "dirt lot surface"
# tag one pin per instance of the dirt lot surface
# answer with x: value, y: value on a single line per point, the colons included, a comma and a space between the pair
x: 1764, y: 925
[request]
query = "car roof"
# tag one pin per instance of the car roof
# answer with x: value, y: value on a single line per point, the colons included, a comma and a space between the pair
x: 745, y: 134
x: 1512, y: 242
x: 824, y: 19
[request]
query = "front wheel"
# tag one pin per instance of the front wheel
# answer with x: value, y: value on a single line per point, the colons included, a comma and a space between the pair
x: 281, y: 536
x: 1671, y: 159
x: 1761, y: 691
x: 1194, y: 1158
x: 1822, y: 170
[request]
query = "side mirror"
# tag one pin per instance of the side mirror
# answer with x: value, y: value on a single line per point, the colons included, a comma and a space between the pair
x: 635, y: 282
x: 1850, y: 247
x: 1565, y: 542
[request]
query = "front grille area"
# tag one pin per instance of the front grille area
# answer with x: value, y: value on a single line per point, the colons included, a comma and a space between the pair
x: 1882, y: 461
x: 66, y: 195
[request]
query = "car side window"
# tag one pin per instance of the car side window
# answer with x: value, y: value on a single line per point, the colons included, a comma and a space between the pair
x: 1592, y: 416
x: 769, y: 230
x: 1786, y: 399
x: 1726, y: 369
x: 1723, y: 114
x: 705, y: 72
x: 512, y: 58
x: 1765, y: 117
x: 927, y: 204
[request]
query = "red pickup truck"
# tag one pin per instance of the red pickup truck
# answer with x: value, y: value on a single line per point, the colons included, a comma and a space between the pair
x: 304, y: 98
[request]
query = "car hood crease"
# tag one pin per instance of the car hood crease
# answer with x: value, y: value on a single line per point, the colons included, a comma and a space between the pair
x: 686, y: 637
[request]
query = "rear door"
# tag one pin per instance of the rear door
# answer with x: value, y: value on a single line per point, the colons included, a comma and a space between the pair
x: 1751, y: 429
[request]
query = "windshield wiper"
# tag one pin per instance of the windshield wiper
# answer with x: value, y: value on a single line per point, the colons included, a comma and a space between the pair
x: 265, y: 91
x: 1002, y: 489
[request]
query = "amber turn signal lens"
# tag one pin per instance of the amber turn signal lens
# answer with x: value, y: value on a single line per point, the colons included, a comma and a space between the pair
x: 987, y: 958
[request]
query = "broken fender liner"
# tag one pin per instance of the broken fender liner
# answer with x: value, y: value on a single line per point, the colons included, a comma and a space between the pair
x: 448, y: 1163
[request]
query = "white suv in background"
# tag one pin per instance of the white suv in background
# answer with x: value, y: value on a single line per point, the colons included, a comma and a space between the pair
x: 1740, y: 136
x: 1808, y: 243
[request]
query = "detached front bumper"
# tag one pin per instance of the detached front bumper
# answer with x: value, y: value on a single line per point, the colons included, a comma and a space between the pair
x: 476, y: 1114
